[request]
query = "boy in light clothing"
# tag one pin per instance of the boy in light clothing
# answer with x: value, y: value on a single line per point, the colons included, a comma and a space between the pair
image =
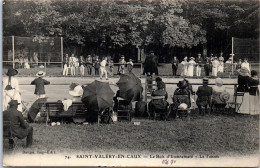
x: 103, y: 68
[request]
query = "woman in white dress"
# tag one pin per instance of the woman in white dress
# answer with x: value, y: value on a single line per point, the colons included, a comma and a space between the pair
x: 184, y: 64
x: 221, y: 66
x: 191, y: 65
x: 215, y: 64
x: 26, y: 63
x: 245, y: 64
x: 11, y: 89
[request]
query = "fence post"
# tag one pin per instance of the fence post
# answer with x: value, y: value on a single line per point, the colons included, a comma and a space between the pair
x: 45, y: 67
x: 13, y: 49
x: 141, y: 68
x: 61, y: 46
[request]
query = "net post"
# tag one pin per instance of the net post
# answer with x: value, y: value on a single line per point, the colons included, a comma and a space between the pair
x: 232, y: 55
x: 45, y: 67
x: 61, y: 44
x: 13, y: 49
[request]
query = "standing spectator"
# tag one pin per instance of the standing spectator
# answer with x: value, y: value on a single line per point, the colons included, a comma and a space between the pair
x: 184, y: 64
x: 175, y: 63
x: 103, y: 70
x: 242, y: 80
x: 111, y: 66
x: 26, y: 63
x: 221, y: 56
x: 150, y: 64
x: 21, y: 61
x: 245, y: 64
x: 19, y: 127
x: 191, y: 65
x: 199, y: 61
x: 65, y: 65
x: 72, y: 62
x: 11, y: 89
x: 35, y: 57
x: 207, y: 67
x: 228, y: 65
x: 211, y: 57
x: 254, y: 98
x: 96, y: 63
x: 89, y: 64
x: 221, y: 65
x: 130, y: 65
x: 204, y: 94
x: 39, y: 84
x: 81, y: 65
x: 76, y: 66
x: 215, y: 64
x: 121, y: 66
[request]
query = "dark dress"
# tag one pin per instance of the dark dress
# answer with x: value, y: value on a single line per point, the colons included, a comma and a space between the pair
x: 150, y: 65
x: 141, y: 109
x: 253, y: 86
x: 242, y: 83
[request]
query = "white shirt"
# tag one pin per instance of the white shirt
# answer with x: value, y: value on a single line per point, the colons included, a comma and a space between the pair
x: 103, y: 63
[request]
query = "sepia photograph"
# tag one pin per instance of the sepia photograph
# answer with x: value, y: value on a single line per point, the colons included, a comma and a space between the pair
x: 140, y: 83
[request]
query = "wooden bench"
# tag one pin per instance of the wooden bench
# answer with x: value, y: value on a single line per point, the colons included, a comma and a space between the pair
x: 55, y: 110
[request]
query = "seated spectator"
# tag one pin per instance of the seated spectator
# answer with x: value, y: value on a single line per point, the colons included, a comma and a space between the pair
x: 159, y: 103
x: 106, y: 116
x: 217, y: 94
x: 158, y: 79
x: 120, y: 103
x: 20, y: 128
x: 26, y: 63
x: 130, y: 65
x: 204, y: 94
x: 242, y: 80
x: 181, y: 95
x: 141, y: 108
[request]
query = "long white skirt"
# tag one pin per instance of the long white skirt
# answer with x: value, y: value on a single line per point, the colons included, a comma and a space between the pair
x: 250, y: 105
x: 190, y: 70
x: 214, y: 71
x: 15, y: 96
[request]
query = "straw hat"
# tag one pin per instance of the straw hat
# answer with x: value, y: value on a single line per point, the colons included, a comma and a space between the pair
x: 243, y: 71
x: 12, y: 72
x: 219, y: 81
x: 40, y: 74
x: 77, y: 91
x: 192, y: 58
x: 224, y: 96
x: 205, y: 80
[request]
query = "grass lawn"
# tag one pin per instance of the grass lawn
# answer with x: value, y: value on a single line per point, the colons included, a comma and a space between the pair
x: 210, y: 134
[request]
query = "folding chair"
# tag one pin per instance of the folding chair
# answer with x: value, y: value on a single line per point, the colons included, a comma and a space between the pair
x: 235, y: 104
x: 124, y: 110
x: 156, y: 108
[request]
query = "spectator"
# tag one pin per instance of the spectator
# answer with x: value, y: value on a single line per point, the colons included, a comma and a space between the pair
x: 215, y: 65
x: 217, y: 90
x: 65, y: 65
x: 76, y: 66
x: 238, y: 67
x: 181, y: 96
x: 150, y: 64
x: 204, y: 94
x: 39, y: 84
x: 72, y: 62
x: 199, y: 61
x: 103, y: 68
x: 21, y: 61
x: 19, y: 127
x: 242, y: 80
x: 111, y: 66
x: 158, y: 79
x: 207, y: 67
x: 81, y: 65
x: 35, y: 57
x: 175, y: 63
x: 245, y: 64
x: 254, y: 97
x: 191, y: 65
x: 11, y: 89
x: 121, y: 66
x: 184, y: 64
x: 221, y: 65
x: 26, y: 63
x: 89, y: 64
x: 130, y: 65
x: 96, y: 63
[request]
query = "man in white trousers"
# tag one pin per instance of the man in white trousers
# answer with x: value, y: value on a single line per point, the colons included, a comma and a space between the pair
x: 66, y: 65
x: 72, y: 62
x: 199, y: 61
x: 103, y: 68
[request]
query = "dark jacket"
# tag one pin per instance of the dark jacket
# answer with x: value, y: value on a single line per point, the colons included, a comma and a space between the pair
x: 140, y: 108
x: 160, y: 93
x: 39, y: 85
x: 242, y: 82
x: 204, y: 95
x: 253, y: 86
x: 175, y: 63
x: 18, y: 125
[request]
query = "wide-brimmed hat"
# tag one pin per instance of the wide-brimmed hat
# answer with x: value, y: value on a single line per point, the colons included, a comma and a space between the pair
x: 40, y: 74
x: 77, y: 91
x: 224, y: 96
x: 182, y: 84
x: 11, y: 72
x: 221, y: 58
x: 192, y: 58
x: 243, y: 71
x: 219, y: 81
x: 199, y: 54
x: 13, y: 102
x: 205, y: 80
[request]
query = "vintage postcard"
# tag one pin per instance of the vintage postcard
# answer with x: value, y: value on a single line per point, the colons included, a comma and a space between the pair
x: 156, y: 83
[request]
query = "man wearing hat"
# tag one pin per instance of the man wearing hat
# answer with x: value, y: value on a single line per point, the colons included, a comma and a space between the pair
x: 20, y: 128
x: 150, y: 64
x: 207, y: 66
x: 175, y: 63
x: 122, y: 63
x: 215, y: 65
x: 204, y: 94
x: 89, y: 64
x: 11, y: 89
x: 199, y: 61
x: 39, y: 84
x: 65, y: 65
x: 130, y: 65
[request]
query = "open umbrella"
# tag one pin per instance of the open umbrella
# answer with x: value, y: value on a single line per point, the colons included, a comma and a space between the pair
x: 130, y: 87
x: 35, y: 109
x: 98, y: 96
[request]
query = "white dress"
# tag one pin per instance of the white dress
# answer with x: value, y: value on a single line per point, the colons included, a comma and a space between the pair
x: 191, y: 68
x: 246, y: 65
x: 184, y: 68
x: 215, y: 64
x: 14, y: 94
x: 221, y: 66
